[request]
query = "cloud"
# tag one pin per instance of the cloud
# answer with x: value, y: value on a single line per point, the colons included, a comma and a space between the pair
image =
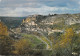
x: 0, y: 0
x: 44, y: 10
x: 29, y: 7
x: 39, y: 3
x: 79, y: 2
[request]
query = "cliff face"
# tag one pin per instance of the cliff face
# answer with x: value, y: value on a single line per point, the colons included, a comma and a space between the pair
x: 68, y: 19
x: 50, y: 23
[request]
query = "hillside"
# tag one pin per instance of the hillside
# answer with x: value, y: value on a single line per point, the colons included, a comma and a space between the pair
x: 56, y: 18
x: 50, y: 23
x: 12, y: 22
x: 43, y: 35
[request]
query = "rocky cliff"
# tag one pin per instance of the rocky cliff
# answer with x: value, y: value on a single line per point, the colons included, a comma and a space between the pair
x: 49, y: 23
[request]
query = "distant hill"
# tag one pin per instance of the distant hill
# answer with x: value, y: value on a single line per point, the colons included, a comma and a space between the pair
x: 12, y: 22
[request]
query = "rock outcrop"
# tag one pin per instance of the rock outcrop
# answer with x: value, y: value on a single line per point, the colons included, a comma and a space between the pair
x: 49, y: 23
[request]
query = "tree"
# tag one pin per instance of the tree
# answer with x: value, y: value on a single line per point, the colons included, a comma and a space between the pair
x: 5, y: 40
x: 21, y: 47
x: 5, y: 45
x: 3, y: 29
x: 67, y: 37
x: 66, y: 43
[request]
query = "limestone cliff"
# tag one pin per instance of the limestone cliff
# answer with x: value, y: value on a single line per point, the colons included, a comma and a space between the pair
x: 49, y: 23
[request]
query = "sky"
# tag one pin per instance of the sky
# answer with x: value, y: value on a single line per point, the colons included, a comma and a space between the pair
x: 22, y: 8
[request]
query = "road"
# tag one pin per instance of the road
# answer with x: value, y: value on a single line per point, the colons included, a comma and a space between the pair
x: 48, y: 46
